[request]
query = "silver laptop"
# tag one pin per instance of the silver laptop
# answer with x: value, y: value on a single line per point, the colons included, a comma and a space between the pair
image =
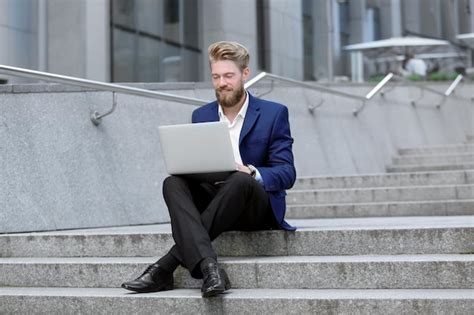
x: 197, y: 148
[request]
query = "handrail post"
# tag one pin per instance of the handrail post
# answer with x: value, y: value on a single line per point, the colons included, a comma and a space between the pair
x: 453, y: 85
x: 450, y: 90
x: 380, y: 85
x: 96, y: 118
x: 255, y: 79
x: 372, y: 92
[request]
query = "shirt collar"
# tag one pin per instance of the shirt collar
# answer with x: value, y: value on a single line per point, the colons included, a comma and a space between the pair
x: 242, y: 111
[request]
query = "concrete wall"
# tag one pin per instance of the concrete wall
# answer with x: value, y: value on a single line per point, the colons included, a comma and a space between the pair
x: 59, y: 171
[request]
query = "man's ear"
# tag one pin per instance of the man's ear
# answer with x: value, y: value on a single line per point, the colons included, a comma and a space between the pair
x: 245, y: 74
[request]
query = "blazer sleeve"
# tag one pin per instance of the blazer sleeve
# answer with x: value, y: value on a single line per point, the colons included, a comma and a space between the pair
x: 279, y: 172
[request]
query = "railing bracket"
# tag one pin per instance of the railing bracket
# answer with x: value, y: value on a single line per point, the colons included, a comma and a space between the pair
x: 96, y: 118
x: 356, y: 111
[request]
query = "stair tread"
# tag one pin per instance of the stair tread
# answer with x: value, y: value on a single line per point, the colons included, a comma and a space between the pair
x: 403, y: 202
x: 402, y: 174
x: 402, y: 294
x: 408, y: 222
x: 379, y: 188
x: 250, y: 260
x: 468, y: 153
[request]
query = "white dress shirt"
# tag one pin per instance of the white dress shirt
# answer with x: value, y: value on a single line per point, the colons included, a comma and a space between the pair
x: 235, y: 127
x: 416, y: 66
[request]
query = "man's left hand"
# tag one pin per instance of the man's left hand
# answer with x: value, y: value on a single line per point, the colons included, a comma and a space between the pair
x: 243, y: 168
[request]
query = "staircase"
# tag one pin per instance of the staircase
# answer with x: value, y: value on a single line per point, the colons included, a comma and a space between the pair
x: 395, y: 243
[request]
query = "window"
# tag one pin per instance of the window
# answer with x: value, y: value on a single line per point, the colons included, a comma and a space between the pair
x: 155, y: 41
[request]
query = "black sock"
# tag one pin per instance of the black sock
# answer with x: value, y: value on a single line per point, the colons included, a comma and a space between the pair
x: 168, y: 262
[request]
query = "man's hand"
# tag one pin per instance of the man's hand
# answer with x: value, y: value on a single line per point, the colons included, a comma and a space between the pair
x: 243, y: 168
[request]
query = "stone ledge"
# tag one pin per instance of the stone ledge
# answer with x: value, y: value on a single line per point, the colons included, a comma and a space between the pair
x: 285, y: 272
x: 353, y: 236
x: 385, y: 180
x: 235, y: 301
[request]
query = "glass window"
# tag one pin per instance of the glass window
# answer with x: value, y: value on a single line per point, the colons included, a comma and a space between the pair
x: 171, y: 18
x: 123, y: 12
x: 148, y: 60
x: 171, y: 63
x: 191, y: 25
x: 191, y: 66
x: 152, y: 42
x: 123, y: 56
x: 148, y: 13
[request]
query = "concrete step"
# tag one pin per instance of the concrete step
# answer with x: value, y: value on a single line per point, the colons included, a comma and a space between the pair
x: 236, y: 301
x: 441, y: 149
x: 429, y: 168
x: 434, y: 159
x: 386, y: 180
x: 280, y: 272
x: 364, y: 195
x: 355, y: 236
x: 382, y: 209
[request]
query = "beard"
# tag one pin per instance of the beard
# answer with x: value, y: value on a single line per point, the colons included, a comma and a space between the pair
x: 231, y: 99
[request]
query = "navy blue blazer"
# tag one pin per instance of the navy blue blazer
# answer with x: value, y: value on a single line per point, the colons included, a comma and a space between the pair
x: 266, y: 143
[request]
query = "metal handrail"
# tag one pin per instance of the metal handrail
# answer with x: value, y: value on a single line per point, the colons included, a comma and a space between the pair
x: 97, y: 85
x: 321, y: 88
x: 423, y: 87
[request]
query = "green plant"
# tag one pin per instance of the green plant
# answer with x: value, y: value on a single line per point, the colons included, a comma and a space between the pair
x: 450, y: 76
x: 376, y: 78
x: 414, y: 77
x: 436, y: 76
x: 442, y: 76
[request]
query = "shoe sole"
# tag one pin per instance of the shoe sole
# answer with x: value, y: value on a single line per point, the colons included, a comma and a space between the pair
x: 149, y: 290
x: 212, y: 293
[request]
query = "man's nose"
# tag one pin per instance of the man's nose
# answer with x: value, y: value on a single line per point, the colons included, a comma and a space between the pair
x: 222, y: 82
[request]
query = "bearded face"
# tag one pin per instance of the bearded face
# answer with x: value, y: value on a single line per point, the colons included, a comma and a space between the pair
x: 228, y: 80
x: 228, y: 96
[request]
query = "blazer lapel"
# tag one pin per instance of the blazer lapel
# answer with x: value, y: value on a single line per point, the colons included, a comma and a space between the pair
x: 214, y: 112
x: 253, y: 111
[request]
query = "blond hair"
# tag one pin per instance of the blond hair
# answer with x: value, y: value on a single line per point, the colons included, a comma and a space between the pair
x: 232, y: 51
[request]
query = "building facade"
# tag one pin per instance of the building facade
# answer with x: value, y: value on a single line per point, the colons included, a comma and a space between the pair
x: 166, y: 40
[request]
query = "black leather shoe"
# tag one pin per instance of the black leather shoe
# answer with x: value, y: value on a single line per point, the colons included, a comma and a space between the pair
x: 215, y: 280
x: 153, y: 279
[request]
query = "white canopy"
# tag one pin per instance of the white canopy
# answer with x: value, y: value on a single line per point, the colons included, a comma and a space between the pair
x: 388, y: 48
x: 467, y: 39
x: 408, y: 41
x: 469, y: 36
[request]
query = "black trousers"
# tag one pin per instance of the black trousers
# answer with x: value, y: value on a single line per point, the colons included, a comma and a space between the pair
x: 200, y: 212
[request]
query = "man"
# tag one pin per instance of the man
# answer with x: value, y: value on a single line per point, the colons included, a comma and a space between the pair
x: 253, y: 198
x: 415, y: 65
